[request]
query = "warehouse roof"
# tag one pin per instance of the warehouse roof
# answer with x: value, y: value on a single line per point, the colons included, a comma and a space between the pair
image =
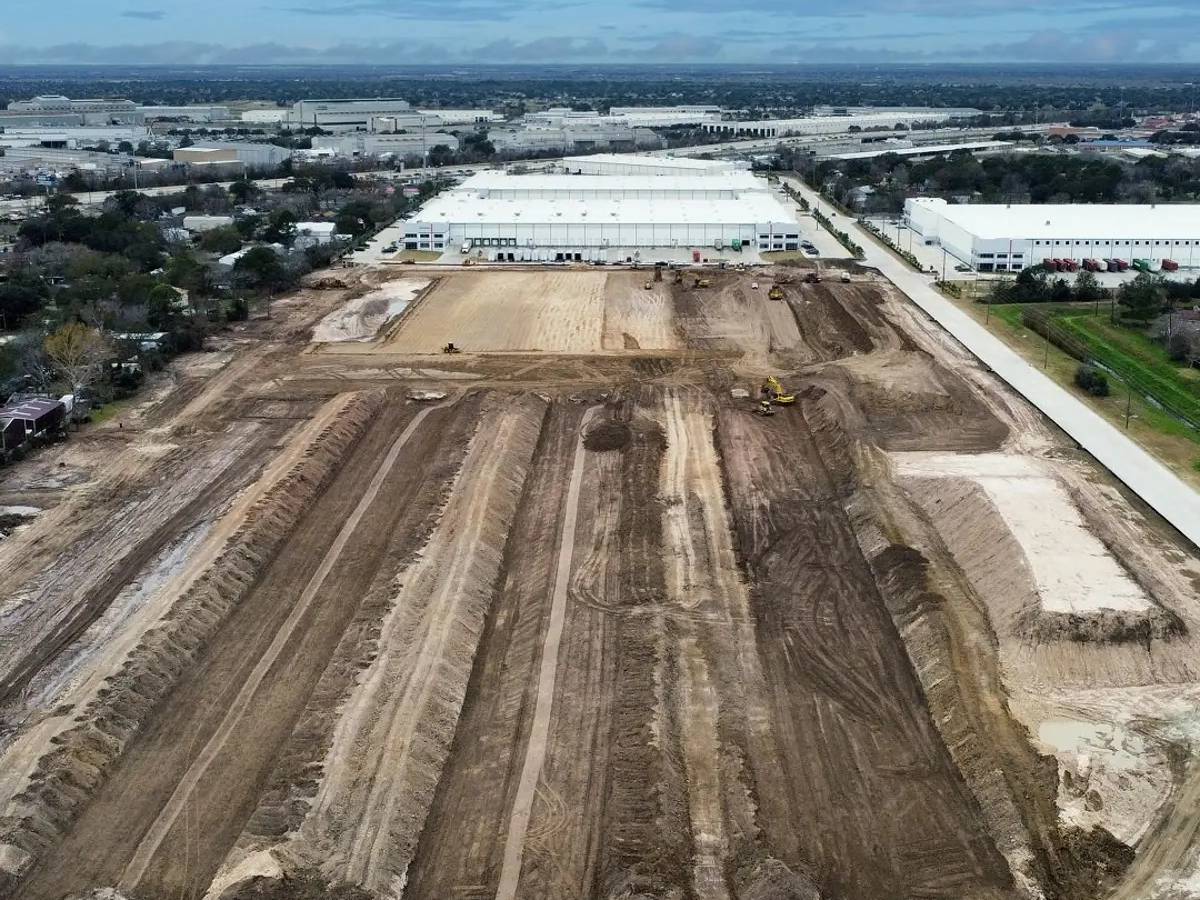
x: 500, y: 181
x: 928, y: 149
x: 675, y: 162
x: 1076, y: 221
x: 752, y: 207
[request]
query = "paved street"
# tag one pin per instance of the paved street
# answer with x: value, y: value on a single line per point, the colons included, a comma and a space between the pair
x: 1142, y: 473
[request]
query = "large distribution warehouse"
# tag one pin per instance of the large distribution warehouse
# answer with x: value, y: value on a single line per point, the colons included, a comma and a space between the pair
x: 631, y: 164
x: 636, y: 211
x: 1008, y: 238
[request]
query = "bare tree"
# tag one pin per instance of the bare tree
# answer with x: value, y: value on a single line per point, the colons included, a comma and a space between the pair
x: 78, y: 352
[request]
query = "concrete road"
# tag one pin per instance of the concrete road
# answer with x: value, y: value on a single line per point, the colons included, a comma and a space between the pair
x: 1141, y: 472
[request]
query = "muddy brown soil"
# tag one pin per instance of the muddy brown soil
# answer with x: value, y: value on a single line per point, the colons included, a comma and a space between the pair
x: 584, y: 627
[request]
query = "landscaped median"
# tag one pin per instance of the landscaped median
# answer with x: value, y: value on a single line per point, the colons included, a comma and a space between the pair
x: 1154, y: 399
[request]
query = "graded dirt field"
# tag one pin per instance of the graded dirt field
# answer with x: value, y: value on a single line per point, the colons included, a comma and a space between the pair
x: 579, y: 623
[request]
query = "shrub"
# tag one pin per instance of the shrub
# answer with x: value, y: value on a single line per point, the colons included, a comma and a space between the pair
x: 1092, y: 380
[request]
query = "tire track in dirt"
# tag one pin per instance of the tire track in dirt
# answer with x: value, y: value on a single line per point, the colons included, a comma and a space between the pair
x: 76, y: 685
x: 460, y: 850
x: 874, y: 805
x: 165, y: 821
x: 691, y: 581
x: 121, y: 547
x: 710, y: 610
x: 146, y: 775
x: 368, y: 813
x: 535, y: 751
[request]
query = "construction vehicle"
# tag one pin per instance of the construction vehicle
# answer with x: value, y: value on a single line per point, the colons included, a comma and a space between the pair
x: 764, y: 408
x: 754, y: 285
x: 845, y: 278
x: 450, y: 348
x: 648, y: 286
x: 772, y: 392
x: 812, y: 278
x: 702, y: 282
x: 776, y: 293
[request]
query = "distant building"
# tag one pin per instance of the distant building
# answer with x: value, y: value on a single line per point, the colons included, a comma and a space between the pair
x: 310, y: 234
x: 575, y: 137
x: 630, y: 164
x: 229, y: 261
x: 463, y: 116
x: 343, y: 114
x: 202, y: 114
x: 810, y: 125
x: 379, y: 144
x: 217, y: 153
x: 993, y: 237
x: 200, y: 224
x: 94, y: 112
x: 523, y: 212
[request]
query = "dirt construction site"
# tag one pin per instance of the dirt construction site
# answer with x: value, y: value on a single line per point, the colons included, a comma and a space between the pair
x: 332, y: 613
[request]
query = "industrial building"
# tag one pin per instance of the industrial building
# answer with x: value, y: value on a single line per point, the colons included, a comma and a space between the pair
x: 201, y: 114
x: 566, y: 211
x: 220, y: 153
x: 71, y: 138
x: 628, y: 116
x: 1008, y: 238
x: 572, y: 138
x: 350, y: 114
x: 816, y: 125
x: 627, y: 164
x: 379, y: 144
x: 494, y: 185
x: 93, y: 112
x: 463, y: 116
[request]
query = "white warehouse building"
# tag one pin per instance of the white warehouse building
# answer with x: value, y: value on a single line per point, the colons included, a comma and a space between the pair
x: 565, y: 211
x: 628, y: 164
x: 1002, y: 238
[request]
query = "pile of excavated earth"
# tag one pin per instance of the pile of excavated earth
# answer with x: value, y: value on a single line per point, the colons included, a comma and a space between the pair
x: 333, y: 613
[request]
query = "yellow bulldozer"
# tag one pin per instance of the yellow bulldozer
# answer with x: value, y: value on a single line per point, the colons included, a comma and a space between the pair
x: 772, y: 392
x: 776, y: 293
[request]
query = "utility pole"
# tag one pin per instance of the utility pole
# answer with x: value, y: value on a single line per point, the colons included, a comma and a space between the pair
x: 1128, y: 404
x: 943, y: 263
x: 1046, y: 358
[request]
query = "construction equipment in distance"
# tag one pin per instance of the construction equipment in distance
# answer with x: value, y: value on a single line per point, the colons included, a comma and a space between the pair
x: 775, y: 293
x: 702, y: 282
x: 772, y: 392
x: 764, y: 408
x: 450, y: 348
x: 812, y: 278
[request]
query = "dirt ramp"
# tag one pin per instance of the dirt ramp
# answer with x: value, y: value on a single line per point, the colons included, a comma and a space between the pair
x: 68, y: 776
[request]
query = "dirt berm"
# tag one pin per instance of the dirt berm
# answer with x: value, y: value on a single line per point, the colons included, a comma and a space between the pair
x: 69, y: 775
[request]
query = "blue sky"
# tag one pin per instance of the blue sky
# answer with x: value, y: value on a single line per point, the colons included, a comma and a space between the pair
x: 624, y: 31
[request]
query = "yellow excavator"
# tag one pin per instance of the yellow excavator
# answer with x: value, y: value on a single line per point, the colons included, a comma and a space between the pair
x: 772, y: 392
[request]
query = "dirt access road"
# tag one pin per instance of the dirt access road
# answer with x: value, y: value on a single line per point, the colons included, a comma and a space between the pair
x: 588, y: 627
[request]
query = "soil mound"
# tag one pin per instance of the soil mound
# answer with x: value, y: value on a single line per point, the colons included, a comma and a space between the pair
x: 608, y: 436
